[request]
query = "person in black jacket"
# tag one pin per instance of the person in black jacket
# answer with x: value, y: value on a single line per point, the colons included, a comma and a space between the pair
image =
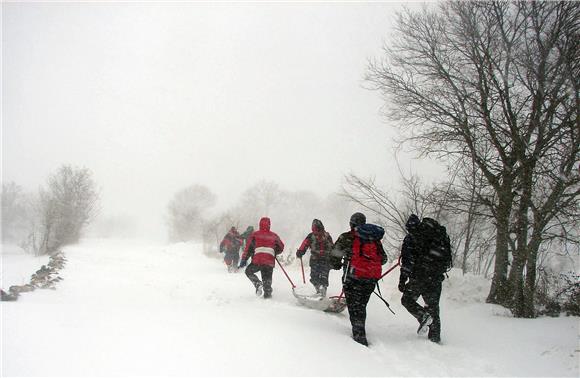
x: 420, y: 277
x: 320, y: 244
x: 357, y: 289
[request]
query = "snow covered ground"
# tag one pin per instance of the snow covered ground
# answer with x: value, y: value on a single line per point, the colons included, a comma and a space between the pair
x: 18, y: 266
x: 128, y: 308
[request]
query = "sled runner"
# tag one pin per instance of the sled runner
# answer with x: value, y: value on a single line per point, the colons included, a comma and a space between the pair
x: 337, y: 304
x: 333, y: 304
x: 316, y: 301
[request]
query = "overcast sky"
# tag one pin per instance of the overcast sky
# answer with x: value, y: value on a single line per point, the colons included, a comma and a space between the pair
x: 153, y: 97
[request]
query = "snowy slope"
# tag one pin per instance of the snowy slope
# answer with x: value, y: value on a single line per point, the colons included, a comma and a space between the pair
x: 130, y: 308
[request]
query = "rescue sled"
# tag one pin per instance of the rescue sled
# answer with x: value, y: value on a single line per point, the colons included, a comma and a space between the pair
x: 333, y: 304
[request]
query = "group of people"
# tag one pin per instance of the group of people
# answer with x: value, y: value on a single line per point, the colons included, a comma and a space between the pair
x: 231, y: 244
x: 425, y: 257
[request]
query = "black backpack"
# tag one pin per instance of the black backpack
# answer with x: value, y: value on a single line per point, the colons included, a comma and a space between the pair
x: 436, y: 247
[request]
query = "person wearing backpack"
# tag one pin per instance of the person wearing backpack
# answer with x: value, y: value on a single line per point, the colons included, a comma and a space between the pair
x: 320, y: 243
x: 246, y: 235
x: 262, y: 246
x: 230, y: 247
x: 359, y: 252
x: 425, y: 258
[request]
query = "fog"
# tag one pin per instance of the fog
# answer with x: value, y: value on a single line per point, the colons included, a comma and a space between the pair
x: 153, y: 97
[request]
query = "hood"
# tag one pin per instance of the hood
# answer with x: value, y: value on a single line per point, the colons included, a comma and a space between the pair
x: 265, y: 224
x: 412, y: 223
x: 317, y: 226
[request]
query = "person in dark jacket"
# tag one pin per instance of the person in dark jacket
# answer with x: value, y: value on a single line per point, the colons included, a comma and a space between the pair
x: 230, y: 247
x: 418, y: 279
x: 262, y: 246
x: 320, y: 244
x: 246, y: 235
x: 357, y: 290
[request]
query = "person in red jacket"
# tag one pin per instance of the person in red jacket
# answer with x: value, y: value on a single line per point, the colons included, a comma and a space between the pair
x: 230, y: 247
x: 262, y: 246
x: 320, y: 244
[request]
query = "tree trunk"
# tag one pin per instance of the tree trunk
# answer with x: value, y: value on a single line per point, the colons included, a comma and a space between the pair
x: 531, y: 269
x: 499, y: 290
x: 521, y: 255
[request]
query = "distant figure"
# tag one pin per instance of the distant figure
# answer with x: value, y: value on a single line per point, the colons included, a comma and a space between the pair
x: 320, y: 244
x: 246, y: 235
x: 262, y: 246
x: 360, y: 253
x: 230, y: 246
x: 425, y: 257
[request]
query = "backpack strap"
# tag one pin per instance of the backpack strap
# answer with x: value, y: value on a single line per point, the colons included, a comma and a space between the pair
x: 382, y: 299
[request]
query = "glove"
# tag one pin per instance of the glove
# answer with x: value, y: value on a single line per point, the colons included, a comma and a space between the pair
x: 300, y: 254
x: 242, y: 264
x: 336, y: 265
x: 402, y: 282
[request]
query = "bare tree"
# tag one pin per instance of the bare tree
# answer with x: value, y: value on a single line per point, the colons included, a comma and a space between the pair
x: 73, y: 194
x: 60, y: 213
x: 495, y: 83
x: 392, y: 210
x: 261, y: 198
x: 187, y: 213
x: 13, y: 211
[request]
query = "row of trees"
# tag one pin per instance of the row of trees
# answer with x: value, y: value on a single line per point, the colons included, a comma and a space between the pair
x: 491, y: 89
x: 53, y: 217
x: 191, y: 215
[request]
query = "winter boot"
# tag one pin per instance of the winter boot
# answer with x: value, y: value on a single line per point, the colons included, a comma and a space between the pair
x: 435, y: 332
x: 259, y: 289
x: 435, y: 339
x: 322, y: 291
x: 424, y: 324
x: 361, y: 339
x: 317, y: 288
x: 358, y: 333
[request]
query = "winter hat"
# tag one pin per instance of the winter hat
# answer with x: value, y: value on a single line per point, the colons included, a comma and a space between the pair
x: 357, y: 219
x: 317, y: 225
x: 412, y: 222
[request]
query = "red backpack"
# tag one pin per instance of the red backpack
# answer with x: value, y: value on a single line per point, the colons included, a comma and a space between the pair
x: 366, y: 260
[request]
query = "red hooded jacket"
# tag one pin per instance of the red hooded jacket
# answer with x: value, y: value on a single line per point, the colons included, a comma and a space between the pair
x: 263, y: 245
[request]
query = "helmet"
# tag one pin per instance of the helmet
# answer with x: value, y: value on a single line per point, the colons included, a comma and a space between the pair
x: 357, y: 219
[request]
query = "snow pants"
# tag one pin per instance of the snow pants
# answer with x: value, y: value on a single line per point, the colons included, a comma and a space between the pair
x: 319, y: 269
x: 231, y: 258
x: 430, y: 290
x: 357, y: 293
x: 266, y: 273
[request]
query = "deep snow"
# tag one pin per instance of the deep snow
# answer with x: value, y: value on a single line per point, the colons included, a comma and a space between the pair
x: 128, y: 308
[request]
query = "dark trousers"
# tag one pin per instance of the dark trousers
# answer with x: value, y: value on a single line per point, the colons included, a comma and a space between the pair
x: 319, y: 269
x: 265, y: 272
x: 430, y: 290
x: 232, y: 258
x: 357, y: 293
